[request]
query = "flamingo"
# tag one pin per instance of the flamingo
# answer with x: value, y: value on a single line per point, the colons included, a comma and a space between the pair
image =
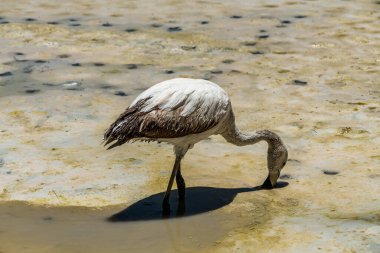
x: 182, y: 112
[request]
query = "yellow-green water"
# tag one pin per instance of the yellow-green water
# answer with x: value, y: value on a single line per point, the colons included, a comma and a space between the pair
x: 57, y: 96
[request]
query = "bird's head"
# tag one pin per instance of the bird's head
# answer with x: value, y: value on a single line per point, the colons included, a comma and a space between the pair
x: 277, y: 157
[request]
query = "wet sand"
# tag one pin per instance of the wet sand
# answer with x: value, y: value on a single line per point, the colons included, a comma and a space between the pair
x: 308, y: 70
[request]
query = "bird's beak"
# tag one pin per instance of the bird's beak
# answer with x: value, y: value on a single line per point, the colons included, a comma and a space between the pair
x: 271, y: 181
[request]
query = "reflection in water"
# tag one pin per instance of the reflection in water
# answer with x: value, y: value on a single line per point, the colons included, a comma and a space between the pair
x: 198, y: 200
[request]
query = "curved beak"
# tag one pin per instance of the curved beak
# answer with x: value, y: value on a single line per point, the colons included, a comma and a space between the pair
x: 271, y: 181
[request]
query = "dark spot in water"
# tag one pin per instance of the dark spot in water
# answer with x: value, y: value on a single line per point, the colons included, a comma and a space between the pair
x: 264, y: 36
x: 299, y: 82
x: 9, y: 172
x: 216, y: 71
x: 188, y: 48
x: 32, y: 91
x: 300, y: 16
x: 106, y: 86
x: 50, y: 84
x: 107, y: 24
x: 330, y: 172
x: 169, y: 71
x: 64, y: 56
x: 257, y: 52
x: 131, y: 66
x: 286, y: 22
x: 73, y: 19
x: 120, y: 93
x: 263, y: 31
x: 30, y: 19
x: 18, y: 53
x: 281, y: 26
x: 75, y: 88
x: 48, y: 218
x: 52, y: 23
x: 75, y: 24
x: 28, y: 70
x: 6, y: 73
x: 204, y: 22
x: 228, y: 61
x: 98, y: 64
x: 77, y: 64
x: 1, y: 18
x: 250, y: 44
x: 131, y: 30
x: 286, y: 176
x: 270, y: 5
x: 39, y: 61
x: 155, y: 25
x: 174, y: 29
x: 4, y: 22
x: 236, y: 16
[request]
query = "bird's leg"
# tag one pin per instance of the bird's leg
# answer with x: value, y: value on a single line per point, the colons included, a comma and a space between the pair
x: 181, y: 208
x: 165, y: 203
x: 180, y: 184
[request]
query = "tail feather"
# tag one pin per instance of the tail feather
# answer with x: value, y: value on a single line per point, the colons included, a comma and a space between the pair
x: 125, y: 127
x: 108, y: 141
x: 117, y: 143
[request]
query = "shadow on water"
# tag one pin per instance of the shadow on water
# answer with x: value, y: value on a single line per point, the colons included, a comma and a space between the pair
x: 198, y: 200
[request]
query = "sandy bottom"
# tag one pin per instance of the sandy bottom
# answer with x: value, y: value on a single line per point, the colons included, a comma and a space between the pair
x: 307, y: 70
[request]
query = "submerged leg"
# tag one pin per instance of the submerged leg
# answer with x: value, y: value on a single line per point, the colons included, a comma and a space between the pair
x: 180, y: 184
x: 165, y: 203
x: 179, y: 152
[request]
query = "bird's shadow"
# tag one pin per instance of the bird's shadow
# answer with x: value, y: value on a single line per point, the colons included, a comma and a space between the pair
x: 198, y: 200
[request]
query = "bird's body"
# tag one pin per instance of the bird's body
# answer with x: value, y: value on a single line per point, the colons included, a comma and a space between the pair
x: 179, y: 111
x: 182, y: 112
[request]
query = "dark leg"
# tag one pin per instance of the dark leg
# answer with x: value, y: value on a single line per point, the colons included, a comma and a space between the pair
x: 165, y: 203
x: 180, y: 185
x: 181, y: 208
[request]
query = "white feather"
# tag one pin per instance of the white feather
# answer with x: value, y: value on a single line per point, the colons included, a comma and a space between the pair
x: 193, y: 94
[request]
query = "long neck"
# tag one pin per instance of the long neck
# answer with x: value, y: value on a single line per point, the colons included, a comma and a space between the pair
x: 235, y: 136
x: 276, y: 154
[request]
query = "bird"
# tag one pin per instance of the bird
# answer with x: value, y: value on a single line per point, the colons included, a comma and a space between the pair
x: 182, y: 112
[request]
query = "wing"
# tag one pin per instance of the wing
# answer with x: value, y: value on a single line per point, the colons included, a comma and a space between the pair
x: 171, y: 109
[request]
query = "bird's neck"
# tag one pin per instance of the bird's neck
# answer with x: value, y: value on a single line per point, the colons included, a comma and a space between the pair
x: 240, y: 138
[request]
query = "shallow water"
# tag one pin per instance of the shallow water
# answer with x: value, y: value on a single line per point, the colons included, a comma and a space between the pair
x: 26, y: 228
x: 308, y: 70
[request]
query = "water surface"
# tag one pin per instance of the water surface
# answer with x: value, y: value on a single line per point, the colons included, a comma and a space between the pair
x: 308, y: 70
